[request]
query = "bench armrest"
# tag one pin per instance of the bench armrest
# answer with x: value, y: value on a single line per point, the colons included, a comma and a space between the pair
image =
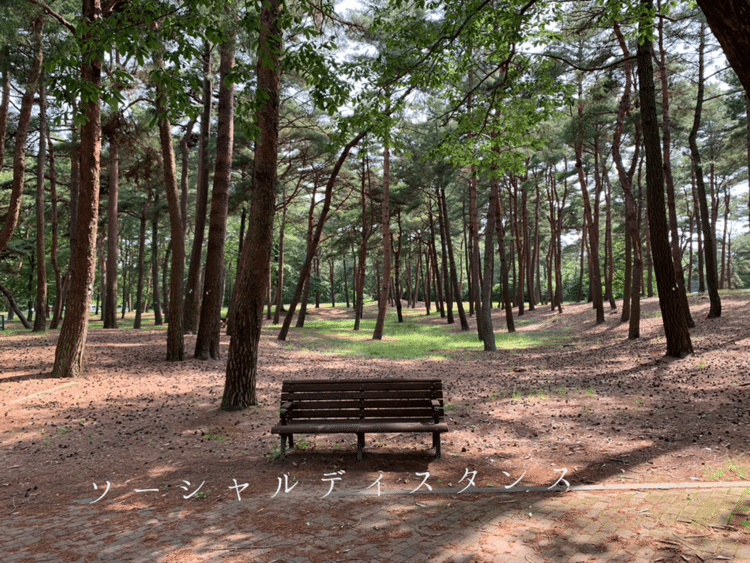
x: 284, y: 411
x: 437, y: 410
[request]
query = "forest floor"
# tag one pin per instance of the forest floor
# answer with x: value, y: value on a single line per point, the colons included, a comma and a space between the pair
x: 606, y: 409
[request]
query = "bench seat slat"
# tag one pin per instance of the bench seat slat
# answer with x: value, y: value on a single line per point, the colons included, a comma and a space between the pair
x: 303, y: 412
x: 357, y: 427
x: 362, y: 384
x: 326, y: 394
x: 369, y: 404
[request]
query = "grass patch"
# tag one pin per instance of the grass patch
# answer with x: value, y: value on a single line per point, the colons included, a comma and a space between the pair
x: 737, y: 466
x: 412, y: 339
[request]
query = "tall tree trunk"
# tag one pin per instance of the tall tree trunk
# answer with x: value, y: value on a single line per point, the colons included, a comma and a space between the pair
x: 359, y: 276
x: 209, y: 327
x: 242, y: 362
x: 193, y: 285
x: 504, y: 281
x: 673, y: 315
x: 488, y: 338
x: 444, y: 259
x: 22, y: 133
x: 40, y: 319
x: 110, y: 298
x: 709, y: 233
x: 452, y: 261
x: 385, y: 220
x: 185, y: 174
x: 4, y: 99
x: 158, y: 320
x: 143, y: 220
x: 69, y: 354
x: 679, y: 271
x: 396, y: 249
x: 633, y: 276
x: 175, y: 337
x: 595, y: 276
x: 280, y: 271
x: 54, y: 226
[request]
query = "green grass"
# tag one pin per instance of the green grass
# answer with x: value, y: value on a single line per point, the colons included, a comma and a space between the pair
x: 411, y: 339
x: 737, y: 466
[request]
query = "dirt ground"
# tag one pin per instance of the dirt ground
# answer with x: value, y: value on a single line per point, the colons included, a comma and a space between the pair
x: 605, y: 409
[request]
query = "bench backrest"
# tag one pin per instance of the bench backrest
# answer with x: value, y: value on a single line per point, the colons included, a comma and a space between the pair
x: 363, y: 398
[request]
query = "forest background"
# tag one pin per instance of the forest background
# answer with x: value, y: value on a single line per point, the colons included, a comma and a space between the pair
x: 461, y: 155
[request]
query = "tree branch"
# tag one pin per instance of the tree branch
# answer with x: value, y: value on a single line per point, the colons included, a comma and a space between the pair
x: 49, y: 11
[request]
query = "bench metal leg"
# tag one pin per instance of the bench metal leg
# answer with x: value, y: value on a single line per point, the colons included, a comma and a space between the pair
x: 360, y: 446
x: 283, y: 446
x: 436, y: 444
x: 291, y: 441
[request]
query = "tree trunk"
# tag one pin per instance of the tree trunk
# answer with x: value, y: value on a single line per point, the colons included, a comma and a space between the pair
x: 359, y: 276
x: 709, y: 233
x: 453, y: 274
x: 40, y: 319
x: 54, y: 225
x: 193, y: 285
x: 5, y: 99
x: 242, y: 362
x: 175, y: 337
x: 158, y: 320
x: 595, y: 276
x: 280, y: 271
x: 673, y: 315
x: 13, y: 307
x: 385, y: 225
x: 209, y: 327
x: 143, y: 219
x: 444, y: 259
x: 397, y: 270
x: 22, y: 133
x: 679, y: 271
x: 728, y: 20
x: 504, y: 281
x: 488, y: 338
x: 110, y: 298
x: 69, y: 354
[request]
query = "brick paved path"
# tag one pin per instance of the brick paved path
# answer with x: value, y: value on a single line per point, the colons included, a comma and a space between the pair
x: 709, y: 524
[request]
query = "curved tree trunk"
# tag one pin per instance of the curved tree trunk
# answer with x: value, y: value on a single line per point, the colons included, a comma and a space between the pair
x: 307, y: 266
x: 709, y: 234
x: 22, y: 133
x: 13, y: 306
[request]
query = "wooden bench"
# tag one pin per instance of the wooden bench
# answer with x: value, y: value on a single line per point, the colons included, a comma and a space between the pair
x: 361, y: 406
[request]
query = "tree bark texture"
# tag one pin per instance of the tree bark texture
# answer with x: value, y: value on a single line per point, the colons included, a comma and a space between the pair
x: 110, y: 299
x: 209, y: 327
x: 193, y: 289
x: 729, y: 21
x: 707, y: 226
x: 242, y: 362
x: 674, y: 319
x: 175, y: 336
x: 40, y: 318
x: 69, y: 354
